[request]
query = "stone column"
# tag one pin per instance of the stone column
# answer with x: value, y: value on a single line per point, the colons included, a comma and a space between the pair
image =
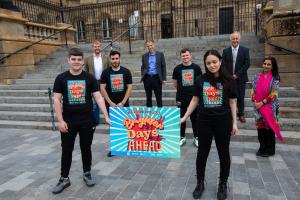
x: 11, y: 39
x: 282, y: 22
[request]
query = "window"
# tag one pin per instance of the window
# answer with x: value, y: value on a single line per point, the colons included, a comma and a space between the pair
x: 107, y: 28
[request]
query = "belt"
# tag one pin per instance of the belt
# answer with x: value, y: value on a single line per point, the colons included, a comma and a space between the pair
x: 152, y: 75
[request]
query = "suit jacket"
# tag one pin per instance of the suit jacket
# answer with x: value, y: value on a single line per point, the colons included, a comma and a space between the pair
x: 160, y: 65
x: 89, y: 64
x: 241, y: 65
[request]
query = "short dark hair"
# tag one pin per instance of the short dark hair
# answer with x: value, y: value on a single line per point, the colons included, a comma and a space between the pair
x: 112, y: 53
x: 75, y: 52
x: 185, y: 50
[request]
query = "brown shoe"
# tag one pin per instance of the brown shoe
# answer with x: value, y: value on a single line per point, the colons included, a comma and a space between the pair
x: 242, y: 119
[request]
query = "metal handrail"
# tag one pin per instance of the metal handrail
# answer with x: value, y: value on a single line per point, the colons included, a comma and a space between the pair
x: 30, y: 45
x: 119, y: 36
x: 283, y: 48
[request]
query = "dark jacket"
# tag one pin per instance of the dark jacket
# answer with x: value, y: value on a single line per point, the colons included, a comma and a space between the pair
x: 242, y: 62
x: 160, y: 65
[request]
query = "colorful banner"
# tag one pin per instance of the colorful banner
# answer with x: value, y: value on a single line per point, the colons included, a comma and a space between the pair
x: 143, y: 131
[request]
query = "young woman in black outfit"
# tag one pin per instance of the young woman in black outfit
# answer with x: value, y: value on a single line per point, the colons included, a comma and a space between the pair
x: 215, y: 92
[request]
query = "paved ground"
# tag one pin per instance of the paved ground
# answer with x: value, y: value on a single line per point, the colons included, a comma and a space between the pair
x: 30, y: 162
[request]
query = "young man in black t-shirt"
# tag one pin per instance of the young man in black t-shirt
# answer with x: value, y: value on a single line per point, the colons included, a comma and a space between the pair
x: 184, y: 76
x: 116, y: 84
x: 76, y: 89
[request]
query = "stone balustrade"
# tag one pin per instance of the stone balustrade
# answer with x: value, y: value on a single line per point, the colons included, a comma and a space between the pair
x: 16, y: 33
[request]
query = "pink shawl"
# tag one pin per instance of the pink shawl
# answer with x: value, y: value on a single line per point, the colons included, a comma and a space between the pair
x: 262, y: 91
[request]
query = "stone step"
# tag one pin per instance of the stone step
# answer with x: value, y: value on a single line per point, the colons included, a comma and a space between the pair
x: 291, y: 137
x: 16, y: 107
x: 135, y: 72
x: 26, y: 116
x: 42, y: 113
x: 138, y: 90
x: 293, y: 102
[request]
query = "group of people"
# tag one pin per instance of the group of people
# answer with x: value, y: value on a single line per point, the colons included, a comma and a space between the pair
x: 213, y: 101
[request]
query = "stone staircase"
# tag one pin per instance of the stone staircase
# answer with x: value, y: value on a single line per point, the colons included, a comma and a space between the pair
x: 25, y: 104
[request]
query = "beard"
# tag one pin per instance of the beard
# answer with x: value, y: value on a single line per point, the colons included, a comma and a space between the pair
x: 115, y: 64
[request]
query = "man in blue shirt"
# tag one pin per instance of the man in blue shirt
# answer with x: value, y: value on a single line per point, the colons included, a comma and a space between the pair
x: 153, y: 71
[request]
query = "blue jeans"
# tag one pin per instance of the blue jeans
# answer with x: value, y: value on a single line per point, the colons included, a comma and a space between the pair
x: 96, y: 112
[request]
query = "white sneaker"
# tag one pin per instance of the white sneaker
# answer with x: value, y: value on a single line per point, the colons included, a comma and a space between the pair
x: 195, y: 141
x: 182, y: 141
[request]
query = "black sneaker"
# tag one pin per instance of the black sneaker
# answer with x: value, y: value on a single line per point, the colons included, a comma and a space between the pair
x: 198, y: 190
x: 88, y: 179
x: 109, y: 154
x: 222, y: 190
x: 61, y: 185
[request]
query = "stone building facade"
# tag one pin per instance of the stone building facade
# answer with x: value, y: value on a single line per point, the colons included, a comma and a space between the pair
x: 106, y: 19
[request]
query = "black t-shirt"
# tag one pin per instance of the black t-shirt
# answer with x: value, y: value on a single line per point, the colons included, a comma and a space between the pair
x: 116, y: 83
x: 214, y: 101
x: 77, y: 96
x: 186, y: 77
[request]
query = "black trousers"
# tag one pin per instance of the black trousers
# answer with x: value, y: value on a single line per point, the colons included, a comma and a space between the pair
x: 153, y: 83
x: 220, y: 130
x: 241, y: 87
x: 267, y: 141
x: 67, y: 143
x: 183, y: 108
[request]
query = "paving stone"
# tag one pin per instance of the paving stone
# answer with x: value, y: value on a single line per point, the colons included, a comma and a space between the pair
x: 25, y: 176
x: 109, y: 195
x: 241, y: 197
x: 241, y: 188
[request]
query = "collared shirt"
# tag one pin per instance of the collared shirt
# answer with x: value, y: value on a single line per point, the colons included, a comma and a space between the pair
x: 152, y: 70
x: 234, y: 55
x: 98, y: 66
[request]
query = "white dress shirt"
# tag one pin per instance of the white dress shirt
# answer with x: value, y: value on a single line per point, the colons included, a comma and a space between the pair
x: 98, y: 66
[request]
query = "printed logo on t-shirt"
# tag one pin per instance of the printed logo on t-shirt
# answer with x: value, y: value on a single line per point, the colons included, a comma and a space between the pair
x: 212, y: 97
x: 117, y: 82
x: 187, y: 77
x: 76, y: 91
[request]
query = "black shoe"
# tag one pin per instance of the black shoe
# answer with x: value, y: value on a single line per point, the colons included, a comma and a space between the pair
x: 109, y: 154
x: 62, y: 184
x: 222, y: 190
x: 260, y: 152
x: 198, y: 190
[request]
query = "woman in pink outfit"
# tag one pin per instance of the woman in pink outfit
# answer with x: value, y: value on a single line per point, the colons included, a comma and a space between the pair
x: 265, y: 96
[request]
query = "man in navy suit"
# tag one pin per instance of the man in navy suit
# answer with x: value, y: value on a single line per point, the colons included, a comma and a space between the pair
x: 153, y: 72
x: 237, y: 62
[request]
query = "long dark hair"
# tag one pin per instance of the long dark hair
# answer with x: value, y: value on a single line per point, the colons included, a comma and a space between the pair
x: 274, y: 70
x: 223, y: 74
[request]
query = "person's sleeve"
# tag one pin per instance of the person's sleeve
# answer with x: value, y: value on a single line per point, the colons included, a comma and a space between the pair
x: 224, y: 57
x: 253, y: 91
x: 196, y: 87
x: 128, y: 77
x: 175, y: 73
x: 142, y: 67
x: 94, y: 83
x: 274, y: 92
x: 246, y: 63
x: 164, y: 67
x: 57, y: 87
x: 233, y: 89
x: 198, y: 71
x: 104, y: 77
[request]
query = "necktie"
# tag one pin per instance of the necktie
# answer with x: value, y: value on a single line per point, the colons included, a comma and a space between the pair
x: 234, y: 54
